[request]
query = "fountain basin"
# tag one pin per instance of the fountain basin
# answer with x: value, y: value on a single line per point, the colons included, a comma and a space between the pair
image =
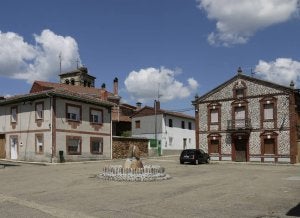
x: 146, y: 174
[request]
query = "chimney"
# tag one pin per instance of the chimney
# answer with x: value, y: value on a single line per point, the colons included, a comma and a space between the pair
x: 292, y: 84
x: 157, y: 105
x: 138, y: 105
x: 116, y: 87
x: 103, y: 92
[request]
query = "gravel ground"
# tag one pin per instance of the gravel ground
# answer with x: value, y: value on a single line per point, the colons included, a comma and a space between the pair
x: 212, y: 190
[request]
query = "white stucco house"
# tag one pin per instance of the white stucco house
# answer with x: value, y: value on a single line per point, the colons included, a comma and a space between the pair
x: 169, y: 132
x: 43, y: 125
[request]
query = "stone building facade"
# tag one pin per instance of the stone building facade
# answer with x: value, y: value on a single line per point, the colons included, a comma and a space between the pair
x: 248, y: 119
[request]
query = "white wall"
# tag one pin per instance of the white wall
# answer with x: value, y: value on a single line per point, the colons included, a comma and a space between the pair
x: 164, y: 132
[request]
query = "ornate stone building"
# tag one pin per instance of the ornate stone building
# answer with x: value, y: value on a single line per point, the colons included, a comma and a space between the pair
x: 249, y: 119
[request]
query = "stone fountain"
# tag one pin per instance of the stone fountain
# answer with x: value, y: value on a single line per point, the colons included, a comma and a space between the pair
x: 133, y: 169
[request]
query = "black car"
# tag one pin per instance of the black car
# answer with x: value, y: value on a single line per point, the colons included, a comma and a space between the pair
x: 194, y: 156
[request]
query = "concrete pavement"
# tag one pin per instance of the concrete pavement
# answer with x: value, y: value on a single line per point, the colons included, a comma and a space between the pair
x: 214, y: 190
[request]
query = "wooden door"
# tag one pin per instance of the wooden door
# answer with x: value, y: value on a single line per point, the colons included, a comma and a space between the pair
x: 2, y: 146
x: 241, y: 150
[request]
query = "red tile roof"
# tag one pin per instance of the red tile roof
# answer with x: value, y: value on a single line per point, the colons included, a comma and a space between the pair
x: 42, y: 86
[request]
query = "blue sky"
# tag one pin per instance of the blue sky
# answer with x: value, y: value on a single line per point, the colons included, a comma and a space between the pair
x: 179, y: 47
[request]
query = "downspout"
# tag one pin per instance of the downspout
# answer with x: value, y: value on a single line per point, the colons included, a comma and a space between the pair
x: 293, y: 130
x: 111, y: 142
x: 51, y: 127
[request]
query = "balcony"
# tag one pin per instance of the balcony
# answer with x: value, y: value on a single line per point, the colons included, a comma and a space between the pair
x: 239, y: 124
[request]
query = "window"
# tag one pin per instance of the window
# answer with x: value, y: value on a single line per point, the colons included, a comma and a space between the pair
x: 137, y: 124
x: 190, y: 125
x: 170, y: 123
x: 268, y: 111
x: 96, y: 145
x: 240, y: 117
x: 96, y: 116
x: 39, y: 143
x: 14, y: 114
x: 239, y: 89
x: 182, y: 124
x: 73, y: 113
x: 73, y: 145
x: 214, y: 115
x: 239, y: 93
x: 269, y: 146
x: 39, y: 111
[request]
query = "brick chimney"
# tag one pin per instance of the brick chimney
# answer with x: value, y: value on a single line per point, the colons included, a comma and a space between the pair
x: 116, y: 92
x: 103, y: 92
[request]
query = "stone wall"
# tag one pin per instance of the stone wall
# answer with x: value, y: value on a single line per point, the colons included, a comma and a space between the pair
x: 120, y: 146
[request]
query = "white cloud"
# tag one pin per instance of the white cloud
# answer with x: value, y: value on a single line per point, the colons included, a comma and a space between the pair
x: 238, y: 20
x: 281, y: 71
x: 21, y: 60
x: 143, y: 85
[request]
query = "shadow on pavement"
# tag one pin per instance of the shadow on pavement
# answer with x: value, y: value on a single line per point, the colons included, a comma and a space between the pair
x: 5, y: 164
x: 295, y: 211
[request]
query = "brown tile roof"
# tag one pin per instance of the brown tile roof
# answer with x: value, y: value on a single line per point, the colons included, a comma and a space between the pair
x: 147, y: 111
x: 57, y: 92
x: 41, y: 86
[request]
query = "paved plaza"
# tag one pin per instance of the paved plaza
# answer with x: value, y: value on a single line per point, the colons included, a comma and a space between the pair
x: 214, y: 190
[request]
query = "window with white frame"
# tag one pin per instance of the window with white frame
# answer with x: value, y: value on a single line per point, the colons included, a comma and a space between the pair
x: 73, y: 113
x: 39, y: 110
x: 39, y: 143
x: 14, y: 114
x: 73, y: 145
x: 96, y: 116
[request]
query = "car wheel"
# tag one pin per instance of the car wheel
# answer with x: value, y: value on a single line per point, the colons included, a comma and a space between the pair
x: 196, y: 162
x: 181, y: 162
x: 208, y: 160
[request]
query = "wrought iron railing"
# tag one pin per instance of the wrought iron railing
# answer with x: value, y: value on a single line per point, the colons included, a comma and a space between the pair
x: 239, y: 124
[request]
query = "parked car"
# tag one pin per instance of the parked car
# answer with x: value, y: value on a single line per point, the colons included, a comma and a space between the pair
x: 194, y: 156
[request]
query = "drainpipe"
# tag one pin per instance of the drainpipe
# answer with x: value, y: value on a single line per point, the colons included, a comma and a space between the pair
x: 51, y: 126
x: 111, y: 142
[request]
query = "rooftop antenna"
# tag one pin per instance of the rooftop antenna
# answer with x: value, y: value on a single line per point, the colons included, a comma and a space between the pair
x: 60, y: 59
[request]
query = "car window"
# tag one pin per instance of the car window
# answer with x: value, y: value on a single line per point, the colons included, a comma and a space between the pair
x: 201, y: 151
